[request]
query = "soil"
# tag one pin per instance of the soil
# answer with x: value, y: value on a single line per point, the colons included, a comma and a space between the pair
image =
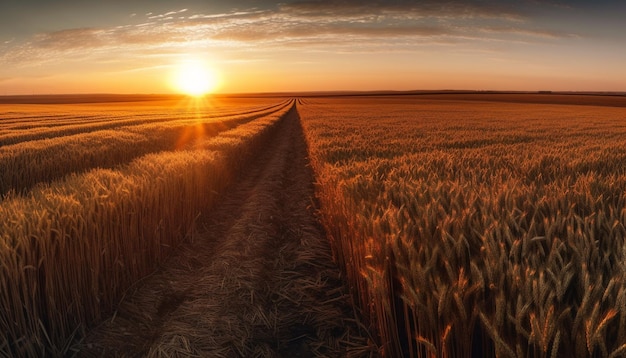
x: 256, y: 278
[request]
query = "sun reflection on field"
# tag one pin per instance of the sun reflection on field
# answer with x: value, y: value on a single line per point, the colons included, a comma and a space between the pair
x: 198, y: 109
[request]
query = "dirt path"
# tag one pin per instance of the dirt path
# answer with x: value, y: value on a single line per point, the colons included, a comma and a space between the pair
x: 257, y: 281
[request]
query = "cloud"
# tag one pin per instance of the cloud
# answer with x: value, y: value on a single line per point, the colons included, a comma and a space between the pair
x: 312, y: 32
x: 436, y: 8
x: 166, y: 15
x: 227, y: 15
x: 321, y: 24
x: 312, y: 21
x: 70, y: 39
x: 547, y: 34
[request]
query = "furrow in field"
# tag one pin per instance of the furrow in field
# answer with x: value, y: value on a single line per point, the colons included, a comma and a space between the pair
x: 44, y: 131
x: 25, y: 164
x: 257, y: 280
x: 97, y: 115
x: 33, y: 114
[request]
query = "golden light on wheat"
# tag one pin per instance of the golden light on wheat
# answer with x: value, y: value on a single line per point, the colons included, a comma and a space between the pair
x: 86, y: 233
x: 463, y: 228
x: 471, y: 229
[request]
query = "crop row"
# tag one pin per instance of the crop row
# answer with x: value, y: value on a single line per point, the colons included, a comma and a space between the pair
x: 25, y: 164
x: 71, y: 249
x: 83, y: 120
x: 469, y: 228
x: 33, y: 116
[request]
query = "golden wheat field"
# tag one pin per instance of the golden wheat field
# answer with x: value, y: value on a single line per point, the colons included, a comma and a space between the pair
x: 477, y: 226
x: 449, y: 225
x: 95, y: 196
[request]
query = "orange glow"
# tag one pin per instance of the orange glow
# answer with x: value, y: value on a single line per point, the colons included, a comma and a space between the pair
x: 195, y: 78
x: 201, y: 108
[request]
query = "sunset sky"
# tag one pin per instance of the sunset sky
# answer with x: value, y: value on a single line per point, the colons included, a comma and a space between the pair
x: 133, y: 46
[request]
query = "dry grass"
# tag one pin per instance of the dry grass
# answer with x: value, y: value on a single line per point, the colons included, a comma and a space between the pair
x: 477, y: 228
x: 21, y: 123
x: 69, y: 250
x: 27, y: 163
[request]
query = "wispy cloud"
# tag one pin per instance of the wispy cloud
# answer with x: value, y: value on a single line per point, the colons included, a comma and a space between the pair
x: 436, y: 8
x: 322, y: 23
x: 339, y: 32
x: 520, y: 31
x: 167, y: 14
x: 227, y: 15
x: 70, y: 39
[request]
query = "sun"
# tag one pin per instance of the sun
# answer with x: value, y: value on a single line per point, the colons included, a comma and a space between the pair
x: 195, y: 78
